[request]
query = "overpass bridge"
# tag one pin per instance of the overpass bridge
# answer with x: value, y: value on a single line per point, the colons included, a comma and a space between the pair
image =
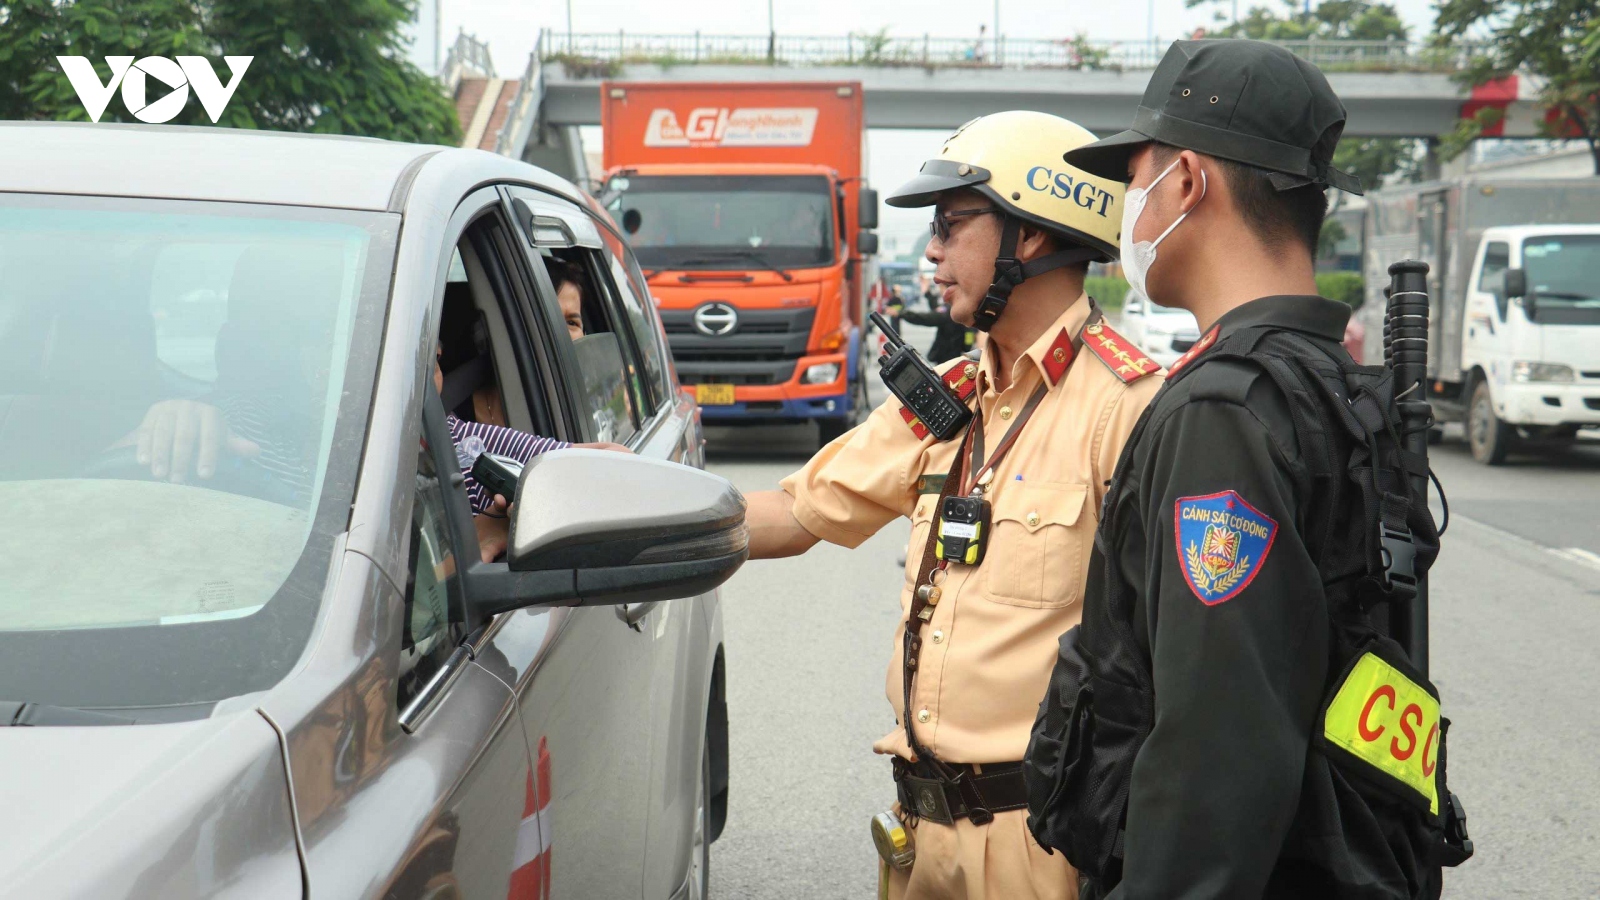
x: 1390, y: 88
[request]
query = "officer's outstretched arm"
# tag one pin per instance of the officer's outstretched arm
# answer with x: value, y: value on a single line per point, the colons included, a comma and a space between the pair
x: 774, y: 531
x: 1238, y: 633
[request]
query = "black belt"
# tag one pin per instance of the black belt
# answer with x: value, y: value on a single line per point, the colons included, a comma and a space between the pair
x: 943, y: 792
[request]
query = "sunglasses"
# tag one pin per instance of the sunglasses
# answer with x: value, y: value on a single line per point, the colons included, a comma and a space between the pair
x: 940, y: 226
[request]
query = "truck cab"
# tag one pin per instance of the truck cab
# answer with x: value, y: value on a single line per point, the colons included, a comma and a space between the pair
x: 1531, y: 342
x: 748, y: 265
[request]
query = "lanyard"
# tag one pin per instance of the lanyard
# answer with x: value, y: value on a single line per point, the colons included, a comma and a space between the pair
x: 926, y: 593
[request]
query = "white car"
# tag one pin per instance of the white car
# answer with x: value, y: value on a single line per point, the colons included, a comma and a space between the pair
x: 1163, y: 332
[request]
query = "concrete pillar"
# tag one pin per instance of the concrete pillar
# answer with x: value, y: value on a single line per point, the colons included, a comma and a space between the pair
x: 1430, y: 159
x: 559, y: 149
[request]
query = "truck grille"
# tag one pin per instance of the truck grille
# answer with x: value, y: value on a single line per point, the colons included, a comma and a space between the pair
x: 762, y: 348
x: 1592, y: 402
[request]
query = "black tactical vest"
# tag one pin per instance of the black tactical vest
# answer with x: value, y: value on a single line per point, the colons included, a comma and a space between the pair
x: 1364, y: 833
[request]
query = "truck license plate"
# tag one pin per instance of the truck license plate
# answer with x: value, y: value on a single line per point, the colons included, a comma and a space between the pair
x: 714, y: 394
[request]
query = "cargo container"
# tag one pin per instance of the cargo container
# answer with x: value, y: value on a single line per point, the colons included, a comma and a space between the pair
x: 746, y: 205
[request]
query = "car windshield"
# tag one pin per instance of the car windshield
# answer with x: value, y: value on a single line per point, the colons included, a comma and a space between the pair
x: 726, y: 221
x: 1564, y: 274
x: 137, y: 331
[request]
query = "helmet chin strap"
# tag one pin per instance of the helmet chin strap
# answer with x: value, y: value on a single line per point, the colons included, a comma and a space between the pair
x: 1010, y: 272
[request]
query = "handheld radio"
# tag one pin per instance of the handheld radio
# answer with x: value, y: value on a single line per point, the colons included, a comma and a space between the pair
x: 919, y: 387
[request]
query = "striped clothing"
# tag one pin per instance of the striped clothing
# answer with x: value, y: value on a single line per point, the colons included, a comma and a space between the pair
x: 288, y: 441
x: 473, y: 438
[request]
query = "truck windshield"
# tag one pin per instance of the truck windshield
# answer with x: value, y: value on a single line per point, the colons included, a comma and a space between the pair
x: 181, y: 415
x: 708, y: 221
x: 1564, y: 274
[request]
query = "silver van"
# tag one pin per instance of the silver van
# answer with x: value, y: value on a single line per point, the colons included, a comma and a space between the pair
x: 248, y: 644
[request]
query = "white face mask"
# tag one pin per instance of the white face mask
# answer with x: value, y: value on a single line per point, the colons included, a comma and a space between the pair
x: 1138, y: 257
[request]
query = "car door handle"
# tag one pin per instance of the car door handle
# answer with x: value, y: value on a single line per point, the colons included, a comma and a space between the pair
x: 633, y: 613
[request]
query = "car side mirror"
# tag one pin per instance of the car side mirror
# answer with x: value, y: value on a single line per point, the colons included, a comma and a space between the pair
x: 632, y: 219
x: 867, y: 243
x: 868, y: 208
x: 1132, y: 308
x: 598, y: 527
x: 1516, y: 284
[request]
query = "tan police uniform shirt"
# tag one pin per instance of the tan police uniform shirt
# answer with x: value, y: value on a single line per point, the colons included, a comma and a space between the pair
x: 988, y: 651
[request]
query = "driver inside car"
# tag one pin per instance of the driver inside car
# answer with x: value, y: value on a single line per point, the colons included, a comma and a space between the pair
x: 489, y: 433
x: 263, y: 413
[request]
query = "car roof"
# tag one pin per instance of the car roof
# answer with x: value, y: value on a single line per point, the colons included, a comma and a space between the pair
x: 226, y: 164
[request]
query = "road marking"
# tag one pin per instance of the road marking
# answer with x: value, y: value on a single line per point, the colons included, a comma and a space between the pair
x: 1577, y: 555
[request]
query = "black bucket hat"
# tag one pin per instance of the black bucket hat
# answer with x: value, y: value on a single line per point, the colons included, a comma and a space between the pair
x: 1247, y: 101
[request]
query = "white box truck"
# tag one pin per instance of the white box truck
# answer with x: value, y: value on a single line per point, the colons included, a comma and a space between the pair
x: 1514, y: 280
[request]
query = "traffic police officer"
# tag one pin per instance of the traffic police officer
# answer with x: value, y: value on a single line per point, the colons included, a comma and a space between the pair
x: 1014, y: 229
x: 1207, y: 746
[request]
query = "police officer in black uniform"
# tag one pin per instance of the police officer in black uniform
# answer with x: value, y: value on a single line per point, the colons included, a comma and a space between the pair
x: 1231, y: 720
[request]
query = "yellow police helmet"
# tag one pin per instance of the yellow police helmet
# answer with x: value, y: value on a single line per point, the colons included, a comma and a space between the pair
x: 1014, y: 158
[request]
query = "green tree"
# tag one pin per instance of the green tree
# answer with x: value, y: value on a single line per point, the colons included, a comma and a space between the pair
x: 1556, y: 41
x: 1371, y: 159
x: 325, y: 66
x: 1355, y: 20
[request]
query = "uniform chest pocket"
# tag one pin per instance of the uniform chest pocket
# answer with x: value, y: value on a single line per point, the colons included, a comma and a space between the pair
x: 921, y: 521
x: 1039, y: 554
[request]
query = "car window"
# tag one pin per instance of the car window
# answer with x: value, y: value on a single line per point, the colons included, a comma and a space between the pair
x: 433, y: 593
x: 179, y: 380
x: 640, y: 311
x: 1496, y: 259
x: 614, y: 395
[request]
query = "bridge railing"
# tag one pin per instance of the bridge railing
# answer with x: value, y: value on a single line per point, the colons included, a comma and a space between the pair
x: 592, y: 52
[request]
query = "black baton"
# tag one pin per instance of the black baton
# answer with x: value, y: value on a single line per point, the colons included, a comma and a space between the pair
x: 1405, y: 352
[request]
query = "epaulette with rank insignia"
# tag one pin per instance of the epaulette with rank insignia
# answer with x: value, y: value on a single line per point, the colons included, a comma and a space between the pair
x: 1122, y: 356
x: 962, y: 379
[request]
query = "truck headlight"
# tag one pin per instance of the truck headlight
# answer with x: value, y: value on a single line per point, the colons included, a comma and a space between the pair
x: 822, y: 373
x: 1525, y: 371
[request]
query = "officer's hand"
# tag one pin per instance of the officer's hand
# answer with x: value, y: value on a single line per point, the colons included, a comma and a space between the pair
x: 178, y: 437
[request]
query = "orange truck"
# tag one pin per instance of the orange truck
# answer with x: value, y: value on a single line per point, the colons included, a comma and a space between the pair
x: 749, y: 211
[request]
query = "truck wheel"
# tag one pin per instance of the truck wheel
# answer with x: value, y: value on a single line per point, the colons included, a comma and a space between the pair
x: 1489, y: 438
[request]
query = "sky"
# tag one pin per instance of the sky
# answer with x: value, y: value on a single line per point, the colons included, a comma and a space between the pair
x: 511, y: 28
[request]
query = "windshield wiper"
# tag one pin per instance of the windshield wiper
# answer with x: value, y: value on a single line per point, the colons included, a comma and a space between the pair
x: 22, y: 714
x: 751, y: 255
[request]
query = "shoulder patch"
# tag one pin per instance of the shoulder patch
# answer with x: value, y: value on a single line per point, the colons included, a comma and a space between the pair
x: 1222, y: 543
x: 962, y: 378
x: 1122, y: 356
x: 1199, y: 347
x: 917, y: 428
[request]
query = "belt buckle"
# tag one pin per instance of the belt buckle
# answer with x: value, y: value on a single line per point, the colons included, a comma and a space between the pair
x: 927, y: 796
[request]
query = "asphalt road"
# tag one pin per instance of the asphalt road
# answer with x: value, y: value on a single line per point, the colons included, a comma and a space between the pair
x: 1516, y: 624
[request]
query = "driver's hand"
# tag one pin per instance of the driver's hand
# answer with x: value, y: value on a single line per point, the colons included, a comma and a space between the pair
x: 180, y: 436
x: 493, y: 526
x: 604, y: 445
